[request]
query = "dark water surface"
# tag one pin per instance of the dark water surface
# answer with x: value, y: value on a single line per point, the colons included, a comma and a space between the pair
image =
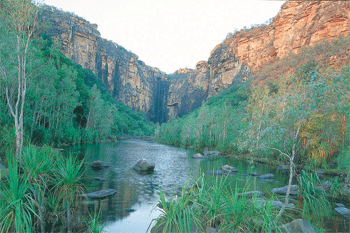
x: 130, y: 210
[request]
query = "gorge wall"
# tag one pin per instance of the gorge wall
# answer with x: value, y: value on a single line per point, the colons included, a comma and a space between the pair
x: 162, y: 97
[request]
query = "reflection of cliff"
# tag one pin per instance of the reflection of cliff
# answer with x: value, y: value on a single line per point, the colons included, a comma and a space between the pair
x: 298, y: 24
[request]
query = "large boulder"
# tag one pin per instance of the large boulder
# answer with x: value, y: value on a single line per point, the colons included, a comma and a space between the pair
x: 100, y: 194
x: 98, y: 165
x: 298, y: 225
x: 198, y: 156
x: 144, y: 165
x: 283, y: 190
x: 266, y: 176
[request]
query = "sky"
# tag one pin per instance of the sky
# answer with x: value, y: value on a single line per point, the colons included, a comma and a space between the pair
x: 170, y: 34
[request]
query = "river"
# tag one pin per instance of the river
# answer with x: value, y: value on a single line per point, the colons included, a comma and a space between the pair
x: 130, y: 210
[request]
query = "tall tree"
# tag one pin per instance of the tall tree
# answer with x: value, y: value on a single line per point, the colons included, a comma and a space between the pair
x: 19, y: 20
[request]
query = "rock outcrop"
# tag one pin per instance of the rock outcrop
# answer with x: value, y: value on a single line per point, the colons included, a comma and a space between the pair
x: 162, y: 97
x: 128, y: 79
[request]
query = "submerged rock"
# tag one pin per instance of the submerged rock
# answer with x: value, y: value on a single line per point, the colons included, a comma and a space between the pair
x: 267, y: 176
x: 198, y: 156
x: 100, y: 194
x: 298, y: 225
x: 251, y: 193
x: 144, y: 165
x: 283, y: 167
x: 99, y: 179
x: 211, y: 153
x: 324, y: 186
x: 98, y: 165
x: 253, y: 174
x: 263, y: 202
x: 343, y: 211
x: 283, y: 190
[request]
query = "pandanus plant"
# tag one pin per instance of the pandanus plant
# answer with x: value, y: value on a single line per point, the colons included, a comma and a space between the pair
x: 69, y: 175
x: 16, y: 205
x: 38, y: 165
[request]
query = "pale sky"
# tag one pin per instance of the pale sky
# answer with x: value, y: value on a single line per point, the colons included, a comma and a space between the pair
x: 170, y: 34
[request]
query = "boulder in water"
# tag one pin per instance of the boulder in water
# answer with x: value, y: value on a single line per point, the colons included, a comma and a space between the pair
x: 144, y: 165
x: 283, y: 167
x: 100, y: 179
x: 211, y: 153
x: 253, y: 174
x: 228, y: 169
x: 343, y: 211
x: 324, y: 186
x: 98, y: 165
x: 100, y: 194
x: 251, y: 193
x: 283, y: 190
x: 198, y: 156
x: 266, y: 176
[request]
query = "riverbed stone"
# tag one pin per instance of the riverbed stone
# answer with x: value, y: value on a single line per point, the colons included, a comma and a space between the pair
x: 198, y: 156
x: 266, y: 176
x: 283, y: 190
x: 283, y: 167
x: 100, y: 179
x: 144, y: 165
x: 339, y: 205
x: 251, y: 193
x: 98, y: 165
x: 343, y: 211
x: 324, y: 186
x: 263, y: 202
x: 253, y: 174
x: 211, y: 153
x: 298, y: 225
x: 228, y: 169
x: 98, y: 195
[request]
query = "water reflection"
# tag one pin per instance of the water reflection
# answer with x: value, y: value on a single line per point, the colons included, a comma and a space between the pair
x: 129, y: 210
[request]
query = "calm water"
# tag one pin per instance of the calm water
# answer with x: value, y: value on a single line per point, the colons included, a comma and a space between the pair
x: 130, y: 210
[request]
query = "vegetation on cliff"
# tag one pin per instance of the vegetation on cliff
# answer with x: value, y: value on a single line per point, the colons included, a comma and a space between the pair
x: 309, y: 89
x: 58, y: 101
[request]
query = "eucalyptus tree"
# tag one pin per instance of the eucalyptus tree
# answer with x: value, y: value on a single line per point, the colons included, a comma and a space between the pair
x: 287, y: 111
x: 19, y: 20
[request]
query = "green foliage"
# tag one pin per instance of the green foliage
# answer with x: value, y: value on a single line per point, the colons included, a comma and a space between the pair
x: 64, y: 102
x: 215, y: 203
x: 315, y: 202
x: 216, y: 124
x: 16, y: 204
x: 93, y: 223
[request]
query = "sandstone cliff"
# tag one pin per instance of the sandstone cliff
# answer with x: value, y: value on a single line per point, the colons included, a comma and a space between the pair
x: 298, y: 24
x: 128, y: 79
x: 162, y: 97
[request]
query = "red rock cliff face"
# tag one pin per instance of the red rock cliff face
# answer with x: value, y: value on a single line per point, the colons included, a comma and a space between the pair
x: 298, y: 24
